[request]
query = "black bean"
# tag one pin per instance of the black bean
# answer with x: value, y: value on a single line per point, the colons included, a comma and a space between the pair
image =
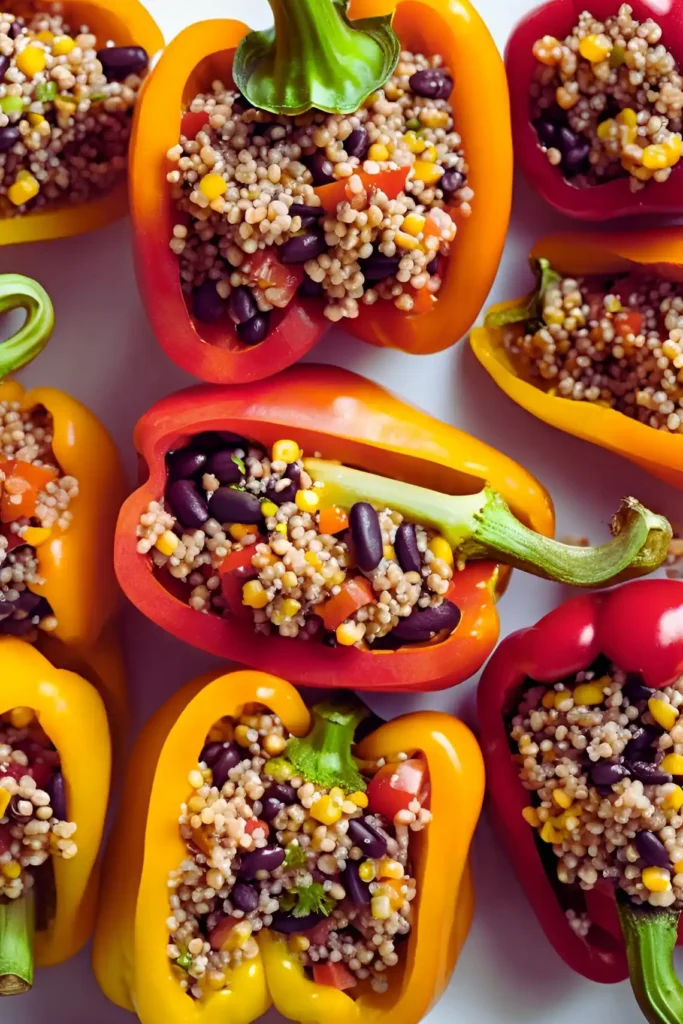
x: 648, y: 774
x: 367, y: 838
x: 27, y: 602
x: 270, y: 808
x: 6, y: 609
x: 641, y: 745
x: 378, y: 267
x: 567, y: 139
x: 287, y: 924
x: 282, y: 496
x: 433, y: 266
x: 636, y: 691
x: 303, y: 247
x: 422, y: 622
x: 301, y: 210
x: 185, y: 463
x: 120, y: 61
x: 9, y: 136
x: 282, y: 791
x: 16, y: 28
x: 357, y: 144
x: 330, y: 640
x: 234, y: 440
x: 405, y: 545
x: 652, y: 849
x: 244, y: 897
x: 187, y: 504
x: 228, y: 505
x: 575, y: 160
x: 56, y: 790
x: 293, y: 473
x: 266, y: 859
x: 14, y: 812
x: 4, y: 65
x: 546, y: 131
x: 254, y: 331
x: 605, y: 773
x: 310, y: 289
x: 207, y: 304
x: 223, y: 467
x: 221, y: 768
x: 16, y: 627
x: 433, y: 83
x: 356, y: 889
x: 210, y: 753
x: 321, y: 168
x: 367, y: 535
x: 242, y: 305
x: 452, y: 180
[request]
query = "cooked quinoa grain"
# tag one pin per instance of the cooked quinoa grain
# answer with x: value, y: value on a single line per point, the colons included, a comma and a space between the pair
x: 606, y: 101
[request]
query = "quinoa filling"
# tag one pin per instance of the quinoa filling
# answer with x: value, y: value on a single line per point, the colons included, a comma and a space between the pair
x: 35, y: 499
x: 617, y: 342
x: 65, y: 110
x: 346, y: 209
x: 606, y: 101
x: 270, y: 848
x: 245, y: 531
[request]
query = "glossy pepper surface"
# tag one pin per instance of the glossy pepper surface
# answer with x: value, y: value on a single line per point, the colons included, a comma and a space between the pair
x: 656, y: 252
x: 598, y: 202
x: 72, y: 714
x: 639, y: 627
x: 128, y: 23
x: 130, y: 958
x: 203, y: 53
x: 353, y: 420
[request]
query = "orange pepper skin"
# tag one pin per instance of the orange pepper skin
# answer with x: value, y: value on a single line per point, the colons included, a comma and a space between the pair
x: 75, y: 564
x: 129, y: 955
x: 127, y: 22
x: 203, y: 53
x: 349, y: 418
x: 73, y: 715
x: 655, y: 251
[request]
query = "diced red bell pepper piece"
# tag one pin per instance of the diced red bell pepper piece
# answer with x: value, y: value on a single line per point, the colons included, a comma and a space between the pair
x: 5, y: 839
x: 628, y: 322
x: 255, y: 823
x: 391, y: 182
x: 219, y: 935
x: 20, y: 489
x: 395, y: 786
x: 192, y: 123
x: 353, y: 594
x: 335, y: 975
x: 235, y: 571
x: 266, y: 271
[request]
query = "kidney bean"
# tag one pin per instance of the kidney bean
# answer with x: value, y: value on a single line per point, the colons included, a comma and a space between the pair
x: 405, y: 545
x: 229, y: 505
x: 56, y: 790
x: 288, y: 493
x: 270, y: 808
x: 210, y: 753
x: 433, y: 83
x: 566, y: 138
x: 378, y: 267
x: 605, y: 773
x: 244, y: 897
x: 310, y: 289
x: 301, y: 210
x: 254, y: 331
x: 223, y: 468
x: 207, y: 304
x: 421, y: 623
x: 287, y: 924
x: 452, y: 180
x: 367, y: 535
x: 641, y: 745
x: 321, y: 168
x: 266, y: 859
x: 187, y: 504
x: 184, y: 463
x: 357, y: 144
x: 16, y: 28
x: 356, y: 889
x: 367, y: 838
x: 221, y: 768
x: 120, y: 61
x: 433, y: 266
x: 242, y: 305
x: 283, y: 792
x: 303, y: 247
x: 652, y: 849
x: 9, y: 136
x: 575, y: 160
x: 636, y: 691
x: 648, y: 774
x: 547, y: 132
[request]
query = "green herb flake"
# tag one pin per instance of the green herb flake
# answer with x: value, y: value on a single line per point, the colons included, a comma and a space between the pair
x: 239, y: 463
x: 295, y: 856
x: 46, y: 91
x: 309, y: 899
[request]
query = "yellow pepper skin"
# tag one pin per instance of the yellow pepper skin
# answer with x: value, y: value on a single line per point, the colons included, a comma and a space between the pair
x: 73, y: 715
x: 76, y: 564
x: 129, y: 955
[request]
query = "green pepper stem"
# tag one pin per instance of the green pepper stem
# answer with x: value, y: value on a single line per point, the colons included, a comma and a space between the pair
x: 324, y: 755
x: 314, y: 57
x: 532, y: 309
x: 19, y: 292
x: 650, y: 934
x: 482, y: 526
x: 17, y: 923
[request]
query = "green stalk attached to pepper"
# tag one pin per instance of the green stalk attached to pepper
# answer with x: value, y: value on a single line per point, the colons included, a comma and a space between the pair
x: 315, y: 57
x: 650, y: 934
x: 17, y: 924
x: 19, y: 292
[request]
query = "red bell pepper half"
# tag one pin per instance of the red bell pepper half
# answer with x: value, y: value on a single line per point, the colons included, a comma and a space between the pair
x: 639, y: 627
x: 614, y: 198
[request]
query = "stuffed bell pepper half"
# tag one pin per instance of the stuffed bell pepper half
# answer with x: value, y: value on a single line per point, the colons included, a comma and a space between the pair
x: 54, y: 785
x: 71, y: 74
x: 263, y: 859
x: 580, y: 721
x: 317, y: 524
x: 336, y: 167
x: 597, y: 348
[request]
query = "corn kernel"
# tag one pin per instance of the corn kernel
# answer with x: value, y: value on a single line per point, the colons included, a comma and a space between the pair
x: 674, y: 799
x: 566, y: 99
x: 5, y: 797
x: 550, y: 834
x: 238, y: 936
x: 347, y: 634
x: 656, y: 879
x: 380, y: 907
x: 548, y: 700
x: 440, y: 548
x: 338, y: 795
x: 36, y: 535
x: 388, y: 868
x: 167, y: 542
x: 238, y: 531
x: 326, y: 810
x: 24, y: 189
x: 312, y: 559
x: 286, y: 451
x: 281, y: 528
x: 678, y: 867
x: 414, y: 142
x: 274, y: 744
x: 378, y: 152
x: 665, y: 154
x: 289, y: 580
x: 628, y: 117
x: 63, y: 45
x: 562, y: 798
x: 612, y: 304
x: 213, y: 186
x: 530, y: 815
x: 595, y: 48
x: 434, y: 118
x: 241, y: 735
x: 389, y: 552
x: 366, y: 871
x: 427, y: 172
x: 31, y: 60
x: 35, y: 119
x: 21, y: 717
x: 11, y: 870
x: 45, y: 37
x: 268, y: 508
x: 664, y: 714
x: 299, y: 943
x: 359, y: 799
x: 588, y: 693
x: 413, y: 224
x: 253, y: 594
x: 607, y: 129
x: 405, y: 241
x: 673, y: 764
x: 278, y: 617
x: 307, y: 501
x: 290, y: 607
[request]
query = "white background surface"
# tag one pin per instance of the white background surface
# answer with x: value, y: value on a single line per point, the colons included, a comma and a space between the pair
x: 104, y: 352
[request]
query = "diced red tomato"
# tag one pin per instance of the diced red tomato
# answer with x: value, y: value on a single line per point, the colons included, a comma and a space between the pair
x: 219, y: 935
x: 5, y: 839
x: 391, y: 182
x: 353, y: 594
x: 235, y: 571
x: 335, y: 975
x: 423, y: 300
x: 255, y: 823
x: 265, y: 271
x: 628, y: 322
x: 395, y: 786
x: 192, y: 123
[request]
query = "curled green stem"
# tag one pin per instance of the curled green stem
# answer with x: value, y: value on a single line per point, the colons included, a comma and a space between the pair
x: 19, y: 292
x: 17, y: 923
x: 650, y: 934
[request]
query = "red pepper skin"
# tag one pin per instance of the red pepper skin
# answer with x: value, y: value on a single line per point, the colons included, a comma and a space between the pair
x: 639, y: 626
x: 600, y: 202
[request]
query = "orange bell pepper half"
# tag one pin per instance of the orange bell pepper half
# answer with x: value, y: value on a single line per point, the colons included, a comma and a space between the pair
x: 657, y: 252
